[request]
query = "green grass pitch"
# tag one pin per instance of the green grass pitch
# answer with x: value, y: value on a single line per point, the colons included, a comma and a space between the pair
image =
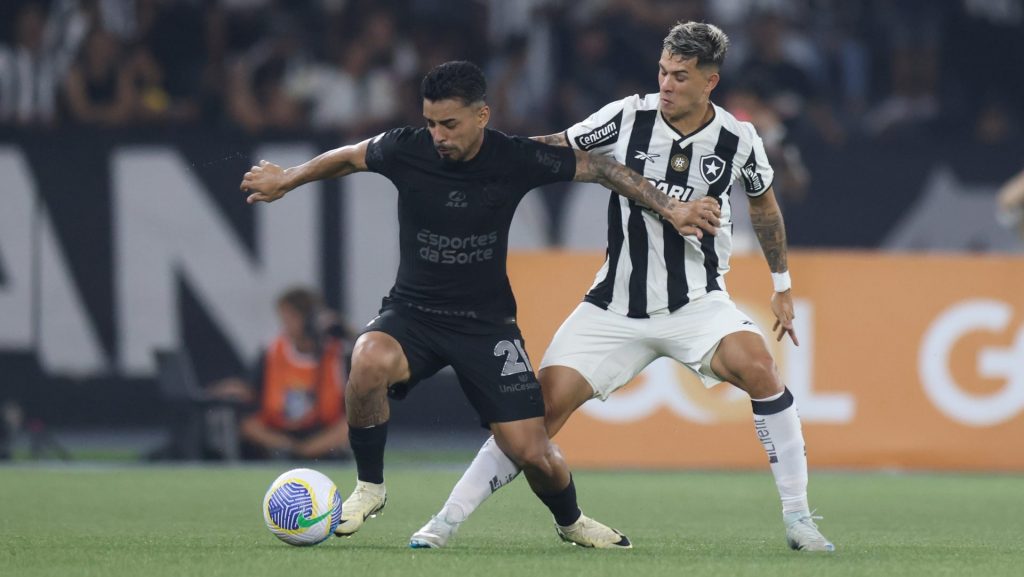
x: 184, y: 521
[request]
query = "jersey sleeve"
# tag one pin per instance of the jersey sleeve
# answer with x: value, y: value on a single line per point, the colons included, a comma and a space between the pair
x: 757, y: 175
x: 600, y: 131
x: 539, y: 164
x: 382, y: 149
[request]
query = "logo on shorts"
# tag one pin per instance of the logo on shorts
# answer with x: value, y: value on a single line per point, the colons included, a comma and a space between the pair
x: 519, y: 387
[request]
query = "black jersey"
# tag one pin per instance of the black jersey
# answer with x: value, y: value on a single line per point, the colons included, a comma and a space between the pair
x: 454, y: 217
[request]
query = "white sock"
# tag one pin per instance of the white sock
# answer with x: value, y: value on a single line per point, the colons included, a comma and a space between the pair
x: 778, y: 428
x: 490, y: 470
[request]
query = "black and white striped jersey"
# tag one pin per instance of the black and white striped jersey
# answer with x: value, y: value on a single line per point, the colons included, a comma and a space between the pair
x: 650, y: 269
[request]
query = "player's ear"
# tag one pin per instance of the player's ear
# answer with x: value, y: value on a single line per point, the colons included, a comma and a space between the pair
x: 483, y: 116
x: 713, y: 79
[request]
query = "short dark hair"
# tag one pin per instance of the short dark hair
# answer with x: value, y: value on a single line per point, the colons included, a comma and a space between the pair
x: 705, y: 42
x: 457, y: 79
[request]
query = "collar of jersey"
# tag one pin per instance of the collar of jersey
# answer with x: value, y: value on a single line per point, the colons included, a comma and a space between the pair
x: 710, y: 121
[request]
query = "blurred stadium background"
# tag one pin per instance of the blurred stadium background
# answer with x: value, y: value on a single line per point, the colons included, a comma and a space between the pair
x: 125, y: 127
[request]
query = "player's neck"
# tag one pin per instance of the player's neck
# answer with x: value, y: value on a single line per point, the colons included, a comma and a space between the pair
x: 690, y: 123
x: 473, y: 152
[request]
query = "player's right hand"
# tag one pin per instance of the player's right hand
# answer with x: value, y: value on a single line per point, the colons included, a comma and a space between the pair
x: 696, y: 217
x: 266, y: 182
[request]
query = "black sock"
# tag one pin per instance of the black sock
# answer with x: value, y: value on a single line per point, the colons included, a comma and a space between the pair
x: 563, y: 505
x: 772, y: 407
x: 368, y: 449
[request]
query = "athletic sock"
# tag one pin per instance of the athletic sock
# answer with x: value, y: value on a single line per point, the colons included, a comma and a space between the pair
x: 563, y: 505
x: 778, y: 428
x: 490, y: 470
x: 368, y: 449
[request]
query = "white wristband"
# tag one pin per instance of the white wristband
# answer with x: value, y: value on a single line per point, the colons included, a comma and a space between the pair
x: 781, y: 281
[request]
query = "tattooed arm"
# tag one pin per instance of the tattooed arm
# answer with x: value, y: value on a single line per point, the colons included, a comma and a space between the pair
x: 687, y: 217
x: 770, y: 229
x: 771, y: 234
x: 552, y: 139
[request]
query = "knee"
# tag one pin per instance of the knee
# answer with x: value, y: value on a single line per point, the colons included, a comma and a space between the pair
x: 534, y: 455
x: 761, y: 377
x: 375, y: 362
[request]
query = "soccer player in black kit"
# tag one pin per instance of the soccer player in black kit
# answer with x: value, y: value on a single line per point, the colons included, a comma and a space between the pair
x: 458, y: 186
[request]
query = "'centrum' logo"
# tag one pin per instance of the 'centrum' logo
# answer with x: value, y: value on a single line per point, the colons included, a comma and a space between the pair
x: 307, y: 523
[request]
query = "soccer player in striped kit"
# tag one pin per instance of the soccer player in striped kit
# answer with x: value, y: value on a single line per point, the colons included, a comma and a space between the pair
x: 660, y: 294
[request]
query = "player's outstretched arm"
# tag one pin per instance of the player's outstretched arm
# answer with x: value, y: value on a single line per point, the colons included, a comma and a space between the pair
x: 688, y: 218
x: 268, y: 182
x: 766, y: 217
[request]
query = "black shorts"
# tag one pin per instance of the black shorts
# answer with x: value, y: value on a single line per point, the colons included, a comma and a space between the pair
x: 489, y: 360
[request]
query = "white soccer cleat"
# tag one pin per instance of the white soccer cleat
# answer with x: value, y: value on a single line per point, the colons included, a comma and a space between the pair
x: 434, y: 534
x: 802, y: 533
x: 366, y: 501
x: 587, y: 532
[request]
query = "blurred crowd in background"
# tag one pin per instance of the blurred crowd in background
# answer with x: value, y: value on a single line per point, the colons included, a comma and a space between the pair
x: 831, y: 69
x: 811, y: 75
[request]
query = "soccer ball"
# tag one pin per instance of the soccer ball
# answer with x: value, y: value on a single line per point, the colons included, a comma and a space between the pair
x: 302, y: 507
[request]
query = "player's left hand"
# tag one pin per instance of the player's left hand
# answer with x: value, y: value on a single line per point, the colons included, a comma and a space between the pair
x: 782, y: 306
x: 696, y: 218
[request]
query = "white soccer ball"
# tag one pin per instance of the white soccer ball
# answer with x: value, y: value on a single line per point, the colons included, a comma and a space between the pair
x: 302, y: 507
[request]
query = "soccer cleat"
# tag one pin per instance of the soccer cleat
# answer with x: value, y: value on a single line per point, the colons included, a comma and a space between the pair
x: 367, y: 500
x: 802, y: 533
x: 587, y: 532
x: 434, y: 534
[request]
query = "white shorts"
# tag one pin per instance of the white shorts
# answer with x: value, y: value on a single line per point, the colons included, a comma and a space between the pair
x: 609, y: 349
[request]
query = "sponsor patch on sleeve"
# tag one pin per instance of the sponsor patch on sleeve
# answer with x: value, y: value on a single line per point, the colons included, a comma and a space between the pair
x: 751, y: 178
x: 600, y: 136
